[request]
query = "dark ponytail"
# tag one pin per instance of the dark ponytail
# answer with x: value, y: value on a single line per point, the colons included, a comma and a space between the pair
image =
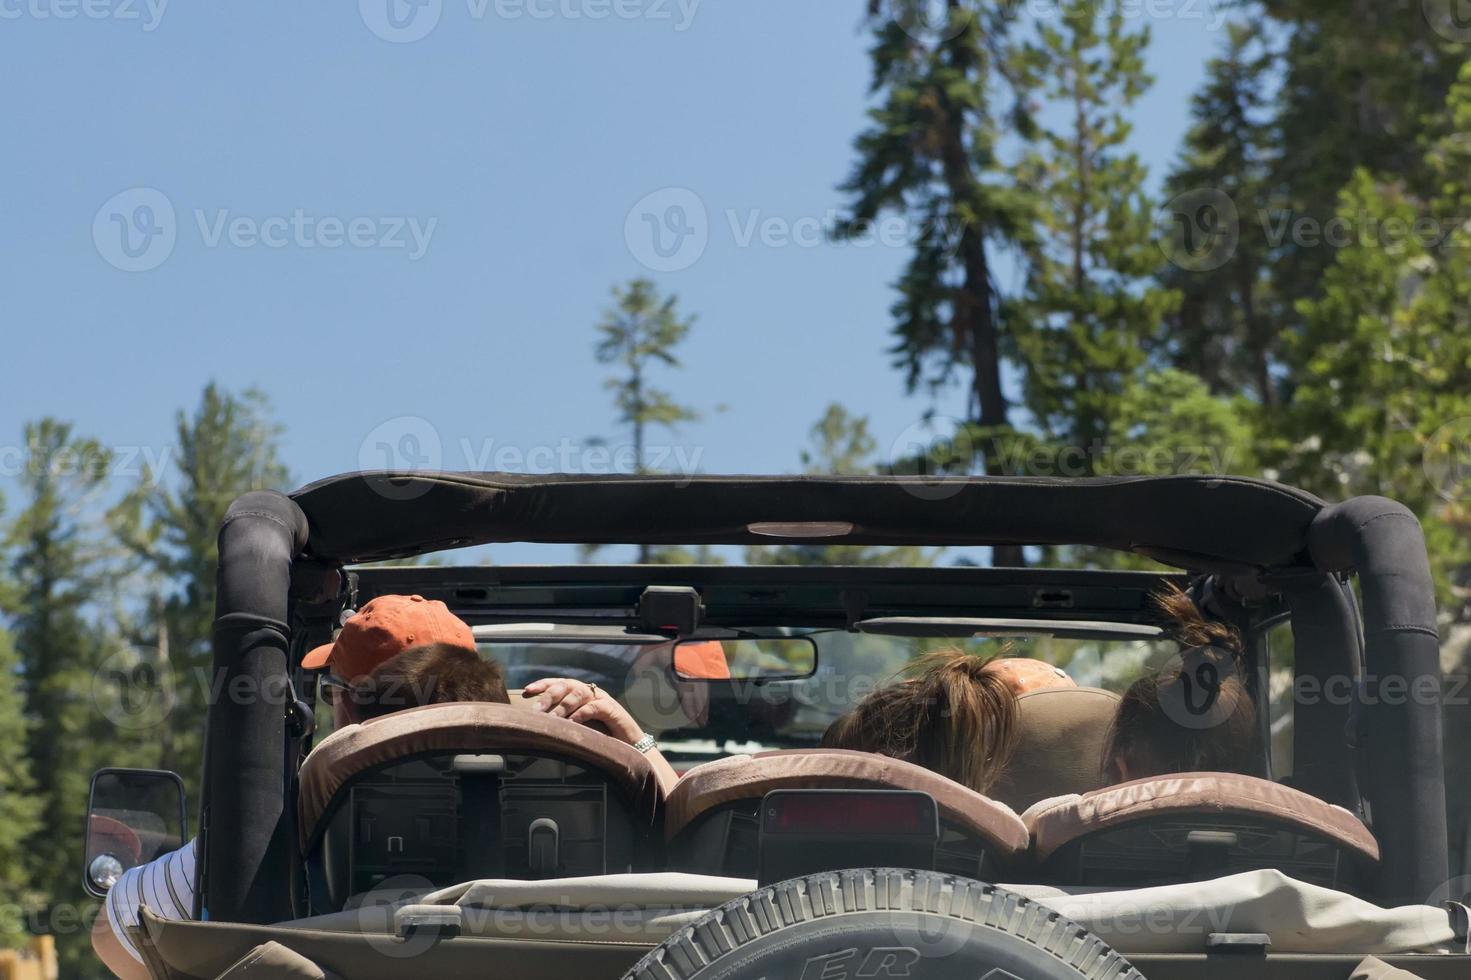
x: 1195, y: 715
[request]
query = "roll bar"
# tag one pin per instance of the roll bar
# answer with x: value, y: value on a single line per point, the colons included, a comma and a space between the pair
x: 245, y: 845
x: 1400, y: 694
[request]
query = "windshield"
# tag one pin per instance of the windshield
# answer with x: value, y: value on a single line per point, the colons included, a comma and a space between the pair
x: 697, y: 720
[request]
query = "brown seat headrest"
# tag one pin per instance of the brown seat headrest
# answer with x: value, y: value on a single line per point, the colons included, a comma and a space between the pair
x: 1055, y: 824
x: 465, y: 727
x: 752, y: 777
x: 1059, y: 746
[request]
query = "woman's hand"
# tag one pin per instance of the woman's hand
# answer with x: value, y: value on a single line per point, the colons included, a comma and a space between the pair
x: 588, y: 704
x: 564, y: 697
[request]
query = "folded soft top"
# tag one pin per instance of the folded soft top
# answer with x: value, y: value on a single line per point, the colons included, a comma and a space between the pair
x: 1227, y: 520
x: 1299, y: 918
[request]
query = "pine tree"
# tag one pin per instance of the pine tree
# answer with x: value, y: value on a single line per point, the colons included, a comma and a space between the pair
x: 931, y: 155
x: 226, y: 447
x: 1226, y: 328
x: 19, y: 806
x: 1085, y: 324
x: 1361, y: 77
x: 53, y: 566
x: 640, y: 331
x: 1383, y: 366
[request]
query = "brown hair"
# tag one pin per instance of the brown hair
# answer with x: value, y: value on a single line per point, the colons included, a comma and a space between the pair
x: 1196, y: 715
x: 954, y: 717
x: 435, y: 673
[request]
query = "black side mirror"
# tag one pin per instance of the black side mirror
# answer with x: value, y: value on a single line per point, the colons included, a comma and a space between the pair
x: 133, y: 817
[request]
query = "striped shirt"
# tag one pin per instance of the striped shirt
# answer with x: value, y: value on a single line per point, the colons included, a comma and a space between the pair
x: 165, y: 885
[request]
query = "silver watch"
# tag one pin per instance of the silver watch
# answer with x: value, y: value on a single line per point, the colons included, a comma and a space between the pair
x: 645, y: 743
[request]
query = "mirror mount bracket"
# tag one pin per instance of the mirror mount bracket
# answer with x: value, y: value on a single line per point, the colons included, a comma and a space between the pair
x: 670, y: 610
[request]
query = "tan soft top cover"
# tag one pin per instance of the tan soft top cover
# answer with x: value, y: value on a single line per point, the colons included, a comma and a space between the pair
x: 1056, y: 823
x: 749, y: 777
x: 466, y: 727
x: 1060, y: 740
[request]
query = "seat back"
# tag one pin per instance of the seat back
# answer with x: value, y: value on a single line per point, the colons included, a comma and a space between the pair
x: 1197, y: 827
x: 458, y: 792
x: 1060, y: 741
x: 711, y: 819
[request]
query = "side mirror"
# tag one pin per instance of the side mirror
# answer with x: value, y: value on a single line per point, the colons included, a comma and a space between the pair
x: 133, y: 816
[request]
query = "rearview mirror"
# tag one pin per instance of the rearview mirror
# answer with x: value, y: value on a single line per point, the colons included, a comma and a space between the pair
x: 133, y: 817
x: 746, y: 658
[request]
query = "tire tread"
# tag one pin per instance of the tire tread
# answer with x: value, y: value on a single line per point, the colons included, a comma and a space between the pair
x: 792, y: 903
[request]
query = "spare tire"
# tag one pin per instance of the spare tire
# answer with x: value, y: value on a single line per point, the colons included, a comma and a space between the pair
x: 882, y: 923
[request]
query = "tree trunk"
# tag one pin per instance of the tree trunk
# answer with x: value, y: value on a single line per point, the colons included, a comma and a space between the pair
x: 973, y: 310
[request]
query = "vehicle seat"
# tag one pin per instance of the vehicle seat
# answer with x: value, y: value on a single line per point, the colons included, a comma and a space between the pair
x: 458, y: 792
x: 1060, y: 742
x: 711, y: 815
x: 1196, y: 827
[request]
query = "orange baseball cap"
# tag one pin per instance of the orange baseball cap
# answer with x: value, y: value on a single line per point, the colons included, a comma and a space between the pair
x: 1023, y: 674
x: 704, y: 660
x: 384, y: 628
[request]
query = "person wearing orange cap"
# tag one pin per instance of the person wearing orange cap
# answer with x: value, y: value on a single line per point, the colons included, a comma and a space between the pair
x: 384, y: 628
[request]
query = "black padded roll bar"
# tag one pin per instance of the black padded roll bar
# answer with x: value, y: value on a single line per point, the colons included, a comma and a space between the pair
x: 1326, y: 641
x: 1401, y: 691
x: 245, y: 847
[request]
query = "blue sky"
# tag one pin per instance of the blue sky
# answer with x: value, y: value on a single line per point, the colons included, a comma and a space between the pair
x: 379, y: 231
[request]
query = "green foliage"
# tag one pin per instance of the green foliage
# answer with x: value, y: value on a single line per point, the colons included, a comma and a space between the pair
x: 930, y: 155
x: 680, y: 555
x: 1084, y: 325
x: 1360, y: 79
x: 20, y: 808
x: 1383, y: 367
x: 639, y: 332
x: 226, y: 447
x: 1225, y: 329
x: 53, y: 566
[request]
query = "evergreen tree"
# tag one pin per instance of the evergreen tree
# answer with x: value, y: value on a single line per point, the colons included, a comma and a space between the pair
x: 931, y: 155
x: 1226, y: 328
x: 1084, y: 326
x: 1360, y: 79
x: 225, y: 448
x: 53, y: 566
x: 1383, y: 366
x: 640, y: 331
x: 19, y: 806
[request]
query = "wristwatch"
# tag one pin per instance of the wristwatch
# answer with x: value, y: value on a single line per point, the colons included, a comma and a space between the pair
x: 644, y: 744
